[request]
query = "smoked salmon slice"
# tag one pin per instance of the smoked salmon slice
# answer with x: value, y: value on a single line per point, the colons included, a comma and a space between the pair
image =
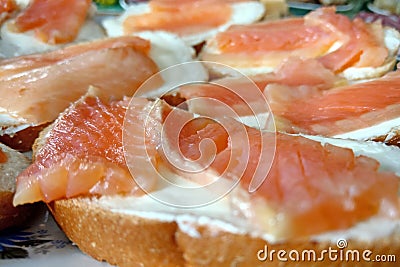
x: 310, y: 188
x: 245, y: 95
x: 335, y: 40
x: 363, y: 44
x: 7, y: 6
x: 19, y: 64
x: 82, y: 154
x: 312, y: 185
x: 53, y: 21
x: 309, y: 185
x: 337, y: 111
x: 39, y: 87
x: 180, y: 17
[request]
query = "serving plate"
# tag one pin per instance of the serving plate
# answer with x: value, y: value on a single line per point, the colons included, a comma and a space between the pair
x: 301, y: 8
x: 43, y: 244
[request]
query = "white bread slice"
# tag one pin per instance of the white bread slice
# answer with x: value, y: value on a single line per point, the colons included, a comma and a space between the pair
x: 134, y: 240
x: 392, y: 43
x: 243, y: 13
x: 16, y: 163
x: 139, y: 231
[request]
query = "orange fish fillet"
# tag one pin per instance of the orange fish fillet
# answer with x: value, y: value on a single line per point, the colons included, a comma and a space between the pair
x: 53, y: 21
x: 340, y: 110
x: 41, y: 86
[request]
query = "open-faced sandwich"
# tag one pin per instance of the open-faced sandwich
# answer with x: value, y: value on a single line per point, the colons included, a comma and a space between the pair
x: 43, y: 25
x: 194, y: 21
x: 350, y: 48
x: 162, y: 204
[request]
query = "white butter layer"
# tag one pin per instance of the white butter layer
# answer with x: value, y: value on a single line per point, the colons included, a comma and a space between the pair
x: 168, y: 50
x: 11, y: 125
x: 388, y: 156
x: 376, y: 130
x: 220, y: 215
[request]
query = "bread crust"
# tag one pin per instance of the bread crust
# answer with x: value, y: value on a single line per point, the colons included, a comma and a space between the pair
x: 220, y: 249
x: 116, y: 238
x: 11, y: 216
x: 129, y: 240
x: 392, y: 138
x: 24, y: 139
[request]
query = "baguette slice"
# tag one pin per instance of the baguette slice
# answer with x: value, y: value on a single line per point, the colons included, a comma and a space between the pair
x: 9, y: 170
x: 133, y: 240
x: 139, y: 231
